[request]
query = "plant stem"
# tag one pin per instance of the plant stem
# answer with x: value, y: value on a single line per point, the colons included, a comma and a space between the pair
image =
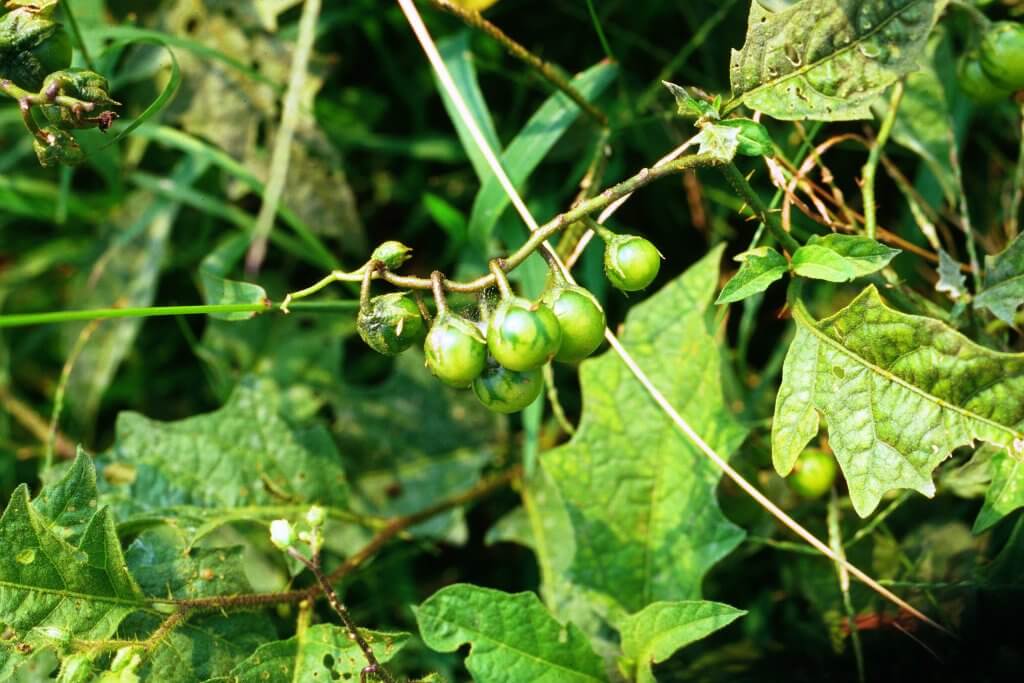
x: 599, y: 30
x: 868, y: 171
x: 62, y: 385
x: 338, y: 606
x: 1013, y: 215
x: 835, y: 541
x: 544, y: 69
x: 768, y: 217
x: 49, y: 317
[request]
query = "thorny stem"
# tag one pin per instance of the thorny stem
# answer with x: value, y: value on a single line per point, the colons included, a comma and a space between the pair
x: 868, y: 171
x: 544, y: 69
x: 767, y: 216
x: 313, y: 565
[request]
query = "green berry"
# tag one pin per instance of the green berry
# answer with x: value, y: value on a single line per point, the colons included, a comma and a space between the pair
x: 976, y: 83
x: 390, y: 324
x: 392, y: 254
x: 630, y: 262
x: 456, y: 350
x: 1002, y: 54
x: 813, y: 474
x: 507, y: 391
x: 54, y: 146
x: 523, y: 335
x: 81, y: 84
x: 581, y: 320
x: 32, y: 46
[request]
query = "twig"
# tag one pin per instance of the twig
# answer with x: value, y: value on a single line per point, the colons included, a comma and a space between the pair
x: 835, y: 541
x: 544, y: 69
x: 868, y: 171
x: 34, y: 423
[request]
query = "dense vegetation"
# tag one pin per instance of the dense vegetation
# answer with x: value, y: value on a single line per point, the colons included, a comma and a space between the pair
x: 569, y: 341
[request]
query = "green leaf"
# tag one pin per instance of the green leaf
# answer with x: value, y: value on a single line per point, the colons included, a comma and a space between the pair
x: 1003, y: 292
x: 531, y: 145
x: 217, y: 289
x: 655, y: 633
x: 512, y: 637
x: 827, y: 60
x: 1006, y: 492
x: 898, y: 393
x: 458, y: 57
x: 689, y: 106
x: 231, y: 462
x: 722, y: 142
x: 323, y: 652
x: 951, y: 278
x: 640, y: 495
x: 51, y: 590
x: 821, y: 263
x: 70, y: 503
x: 863, y: 254
x: 759, y: 268
x: 165, y: 566
x: 754, y: 140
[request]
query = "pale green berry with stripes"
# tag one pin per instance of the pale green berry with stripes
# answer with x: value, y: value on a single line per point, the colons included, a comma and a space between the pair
x: 390, y: 323
x: 507, y: 391
x: 631, y: 262
x: 455, y: 349
x: 522, y: 334
x: 581, y: 319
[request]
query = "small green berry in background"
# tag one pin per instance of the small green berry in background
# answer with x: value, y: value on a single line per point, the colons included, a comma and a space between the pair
x: 425, y: 341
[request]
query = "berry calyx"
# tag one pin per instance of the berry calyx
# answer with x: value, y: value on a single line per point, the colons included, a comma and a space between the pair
x: 390, y: 323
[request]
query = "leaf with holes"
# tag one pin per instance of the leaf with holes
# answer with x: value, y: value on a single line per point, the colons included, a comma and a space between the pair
x: 640, y: 495
x: 53, y: 591
x: 512, y: 637
x: 323, y: 652
x: 898, y: 392
x: 828, y: 60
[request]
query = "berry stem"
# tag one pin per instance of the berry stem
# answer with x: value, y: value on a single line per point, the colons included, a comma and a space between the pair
x: 437, y: 282
x: 500, y: 279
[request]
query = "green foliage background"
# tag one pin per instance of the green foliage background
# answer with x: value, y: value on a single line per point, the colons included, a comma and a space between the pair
x: 618, y: 552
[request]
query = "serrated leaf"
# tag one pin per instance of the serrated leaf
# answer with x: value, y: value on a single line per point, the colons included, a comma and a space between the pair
x: 512, y: 637
x: 1003, y: 292
x: 863, y: 254
x: 1006, y: 492
x: 531, y: 145
x: 821, y: 263
x: 323, y: 652
x: 655, y: 633
x: 827, y: 60
x: 233, y: 461
x: 951, y: 278
x: 898, y: 392
x: 759, y: 269
x: 218, y: 289
x: 51, y: 590
x: 640, y: 496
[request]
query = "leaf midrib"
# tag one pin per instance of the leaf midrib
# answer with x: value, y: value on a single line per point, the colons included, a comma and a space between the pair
x: 801, y: 315
x: 737, y: 101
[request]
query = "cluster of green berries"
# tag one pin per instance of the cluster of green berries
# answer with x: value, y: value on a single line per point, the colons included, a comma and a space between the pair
x: 995, y: 69
x: 501, y: 356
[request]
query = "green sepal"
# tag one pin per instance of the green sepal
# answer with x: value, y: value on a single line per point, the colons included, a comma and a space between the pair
x: 753, y: 140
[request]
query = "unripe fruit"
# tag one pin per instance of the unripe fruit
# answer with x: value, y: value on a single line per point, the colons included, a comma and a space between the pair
x: 507, y: 391
x: 976, y: 83
x: 630, y: 262
x: 390, y: 324
x: 523, y: 335
x: 392, y: 254
x: 581, y: 320
x: 32, y: 46
x: 456, y: 350
x: 813, y: 474
x: 1002, y: 54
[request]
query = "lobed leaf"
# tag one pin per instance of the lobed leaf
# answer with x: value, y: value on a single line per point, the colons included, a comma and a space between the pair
x: 640, y: 496
x: 512, y: 637
x: 828, y: 59
x: 655, y: 633
x: 898, y: 392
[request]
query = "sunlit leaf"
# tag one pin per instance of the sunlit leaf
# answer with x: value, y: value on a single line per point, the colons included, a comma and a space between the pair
x: 898, y: 392
x: 759, y: 268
